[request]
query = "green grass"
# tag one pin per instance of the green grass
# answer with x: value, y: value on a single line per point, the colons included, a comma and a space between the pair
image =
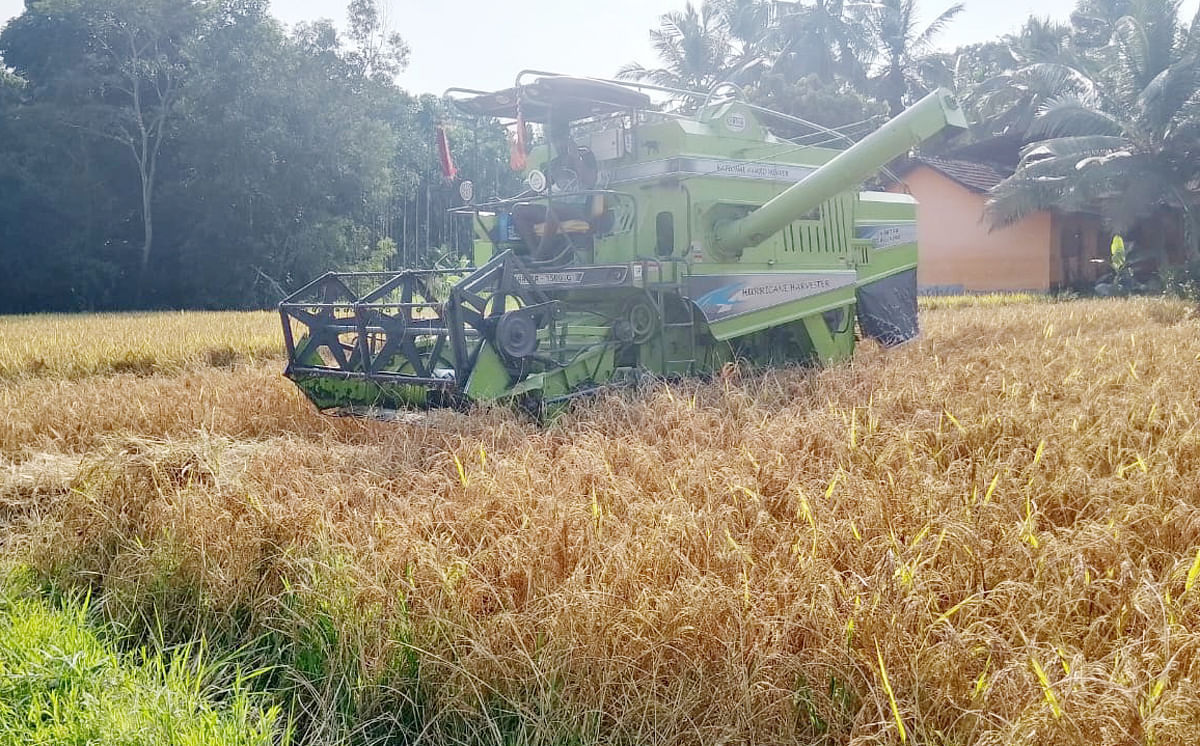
x: 60, y: 683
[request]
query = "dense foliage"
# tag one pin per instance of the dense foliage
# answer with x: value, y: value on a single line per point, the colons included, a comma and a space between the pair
x: 1116, y: 129
x: 194, y: 153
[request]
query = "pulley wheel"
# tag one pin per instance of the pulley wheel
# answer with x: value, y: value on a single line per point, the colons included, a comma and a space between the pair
x: 516, y: 335
x: 643, y: 319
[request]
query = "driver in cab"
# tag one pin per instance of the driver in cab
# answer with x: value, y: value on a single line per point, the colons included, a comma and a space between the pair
x: 572, y: 170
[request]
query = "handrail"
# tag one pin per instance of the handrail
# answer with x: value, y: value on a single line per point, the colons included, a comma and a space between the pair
x: 705, y: 96
x: 471, y: 209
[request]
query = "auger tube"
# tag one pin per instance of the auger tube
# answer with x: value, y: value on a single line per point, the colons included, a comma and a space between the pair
x: 846, y: 171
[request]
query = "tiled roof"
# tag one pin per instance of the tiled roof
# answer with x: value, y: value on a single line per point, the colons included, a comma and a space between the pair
x: 978, y: 177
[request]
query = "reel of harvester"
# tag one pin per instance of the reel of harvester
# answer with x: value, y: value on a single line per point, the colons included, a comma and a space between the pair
x: 367, y: 342
x: 645, y: 244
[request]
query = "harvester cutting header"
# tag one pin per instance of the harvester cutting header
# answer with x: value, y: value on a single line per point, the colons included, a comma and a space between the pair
x: 645, y: 243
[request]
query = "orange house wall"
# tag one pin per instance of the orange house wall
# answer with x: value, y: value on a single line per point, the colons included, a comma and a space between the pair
x: 958, y: 252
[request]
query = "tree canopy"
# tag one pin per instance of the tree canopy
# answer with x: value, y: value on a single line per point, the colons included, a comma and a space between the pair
x: 195, y: 153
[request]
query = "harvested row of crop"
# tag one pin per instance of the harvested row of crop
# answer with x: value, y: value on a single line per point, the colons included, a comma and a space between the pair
x: 77, y: 416
x: 987, y: 537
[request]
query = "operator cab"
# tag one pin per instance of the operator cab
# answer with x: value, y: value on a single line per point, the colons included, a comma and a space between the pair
x: 565, y: 208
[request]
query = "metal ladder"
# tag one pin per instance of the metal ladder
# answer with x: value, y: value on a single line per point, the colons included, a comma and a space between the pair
x: 689, y: 326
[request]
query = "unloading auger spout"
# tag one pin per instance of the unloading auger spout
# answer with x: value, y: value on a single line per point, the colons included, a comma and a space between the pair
x: 928, y: 117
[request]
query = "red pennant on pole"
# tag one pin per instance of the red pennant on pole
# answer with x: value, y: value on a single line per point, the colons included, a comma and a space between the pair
x: 449, y: 172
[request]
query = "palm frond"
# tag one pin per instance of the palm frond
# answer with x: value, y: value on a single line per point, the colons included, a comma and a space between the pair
x: 1159, y: 20
x: 632, y: 71
x: 1125, y: 190
x: 1073, y: 147
x: 1057, y: 79
x: 1161, y: 100
x: 1185, y: 124
x: 1041, y: 40
x: 938, y: 25
x: 1016, y: 96
x: 1071, y: 115
x: 1133, y: 55
x: 1022, y: 195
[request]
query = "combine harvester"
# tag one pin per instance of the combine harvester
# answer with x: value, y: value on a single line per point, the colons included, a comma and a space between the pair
x: 647, y: 243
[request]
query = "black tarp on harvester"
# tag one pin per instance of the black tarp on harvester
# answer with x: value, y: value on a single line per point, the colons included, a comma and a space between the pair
x: 887, y: 309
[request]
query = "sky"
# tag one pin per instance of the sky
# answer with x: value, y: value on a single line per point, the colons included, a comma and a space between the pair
x: 483, y: 43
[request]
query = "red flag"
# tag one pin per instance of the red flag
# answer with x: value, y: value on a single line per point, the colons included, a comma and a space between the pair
x: 516, y: 156
x: 449, y: 172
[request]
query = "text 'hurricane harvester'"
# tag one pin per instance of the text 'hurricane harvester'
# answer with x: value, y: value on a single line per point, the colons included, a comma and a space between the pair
x: 646, y: 243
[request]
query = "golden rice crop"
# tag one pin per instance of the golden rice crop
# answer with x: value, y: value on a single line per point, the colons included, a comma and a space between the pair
x: 934, y: 302
x: 77, y: 345
x: 990, y: 536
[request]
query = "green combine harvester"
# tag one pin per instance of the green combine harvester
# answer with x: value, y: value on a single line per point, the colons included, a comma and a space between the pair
x: 646, y: 244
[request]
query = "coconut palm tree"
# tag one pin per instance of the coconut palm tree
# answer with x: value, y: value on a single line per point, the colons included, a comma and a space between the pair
x: 902, y: 46
x: 746, y: 41
x: 1007, y: 104
x: 1092, y: 21
x: 1127, y: 146
x: 822, y: 38
x: 695, y: 47
x: 1046, y: 65
x: 1042, y: 40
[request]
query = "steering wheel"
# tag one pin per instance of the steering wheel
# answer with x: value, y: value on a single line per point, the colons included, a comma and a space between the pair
x: 576, y: 174
x: 565, y: 178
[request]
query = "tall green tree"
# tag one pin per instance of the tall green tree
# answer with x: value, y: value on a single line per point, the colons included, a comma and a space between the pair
x: 274, y: 166
x: 904, y: 48
x: 1008, y: 104
x: 823, y: 38
x: 966, y: 67
x: 695, y: 47
x: 379, y: 53
x: 268, y: 157
x: 122, y: 78
x: 1093, y: 21
x: 1042, y: 40
x: 801, y: 58
x: 1044, y: 63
